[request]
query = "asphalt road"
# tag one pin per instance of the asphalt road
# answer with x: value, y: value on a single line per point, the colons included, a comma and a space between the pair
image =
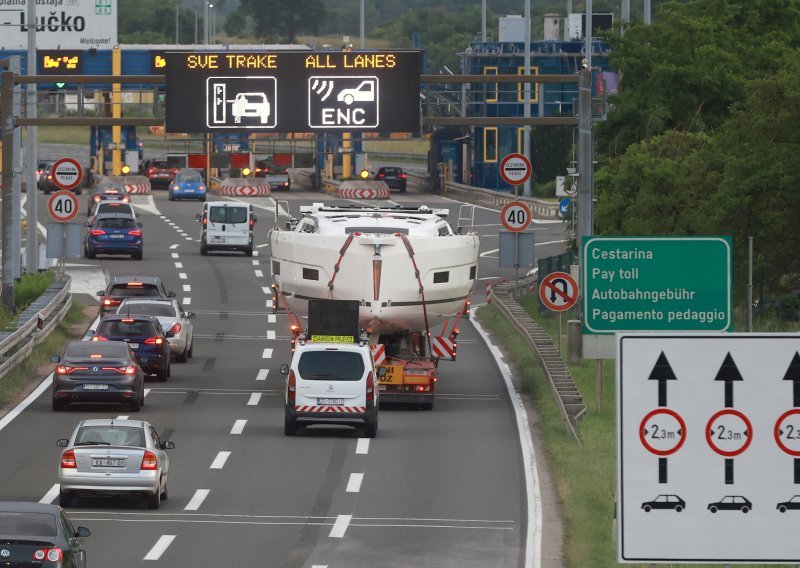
x: 434, y: 489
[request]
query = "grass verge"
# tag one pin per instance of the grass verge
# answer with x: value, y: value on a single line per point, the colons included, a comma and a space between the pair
x: 584, y: 476
x: 15, y: 383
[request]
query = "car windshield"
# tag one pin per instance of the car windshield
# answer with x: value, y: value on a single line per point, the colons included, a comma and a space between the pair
x: 117, y: 328
x: 162, y: 164
x: 331, y: 366
x: 114, y: 208
x: 111, y: 436
x: 163, y: 310
x: 128, y: 291
x: 116, y: 223
x: 228, y: 215
x: 28, y: 524
x: 189, y: 176
x: 85, y: 349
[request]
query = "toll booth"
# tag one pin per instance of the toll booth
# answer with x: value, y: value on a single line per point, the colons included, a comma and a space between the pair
x: 450, y: 149
x: 101, y: 144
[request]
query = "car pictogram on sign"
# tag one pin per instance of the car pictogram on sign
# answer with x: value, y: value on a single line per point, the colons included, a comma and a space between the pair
x: 356, y: 103
x: 241, y: 102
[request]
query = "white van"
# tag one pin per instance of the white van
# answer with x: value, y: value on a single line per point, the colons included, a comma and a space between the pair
x: 226, y: 225
x: 331, y: 383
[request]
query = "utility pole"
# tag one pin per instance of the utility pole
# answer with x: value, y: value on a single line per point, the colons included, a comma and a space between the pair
x: 7, y: 216
x: 585, y: 166
x: 32, y: 248
x: 526, y: 191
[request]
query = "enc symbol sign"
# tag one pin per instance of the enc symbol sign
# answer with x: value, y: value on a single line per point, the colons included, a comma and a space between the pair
x: 343, y: 102
x: 241, y: 102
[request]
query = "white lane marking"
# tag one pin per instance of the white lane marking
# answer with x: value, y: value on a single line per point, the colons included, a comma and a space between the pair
x: 261, y: 246
x: 254, y: 399
x: 149, y: 204
x: 160, y: 547
x: 197, y: 500
x: 319, y: 566
x: 272, y: 318
x: 267, y: 354
x: 50, y: 496
x: 262, y: 376
x: 173, y: 247
x: 219, y: 461
x: 238, y: 426
x: 182, y: 275
x: 17, y: 410
x: 488, y: 252
x: 362, y: 447
x: 178, y: 265
x: 533, y: 541
x: 189, y: 239
x: 187, y: 287
x: 266, y: 289
x: 259, y: 274
x: 354, y: 485
x: 175, y: 255
x: 340, y: 526
x: 255, y: 253
x: 270, y: 334
x: 256, y: 262
x: 147, y: 391
x: 125, y: 417
x: 187, y: 300
x: 163, y: 216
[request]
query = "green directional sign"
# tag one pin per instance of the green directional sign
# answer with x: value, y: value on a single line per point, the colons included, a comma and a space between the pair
x: 656, y: 284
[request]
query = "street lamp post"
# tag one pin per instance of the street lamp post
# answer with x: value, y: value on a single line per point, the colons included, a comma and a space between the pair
x: 177, y: 11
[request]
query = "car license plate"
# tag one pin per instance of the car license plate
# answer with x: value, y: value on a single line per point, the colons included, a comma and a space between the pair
x: 94, y: 387
x: 117, y: 236
x: 134, y: 345
x: 381, y: 387
x: 189, y: 190
x: 108, y: 462
x: 218, y: 239
x: 334, y: 401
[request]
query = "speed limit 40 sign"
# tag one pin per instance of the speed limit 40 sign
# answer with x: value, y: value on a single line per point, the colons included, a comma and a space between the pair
x: 63, y: 206
x: 516, y: 216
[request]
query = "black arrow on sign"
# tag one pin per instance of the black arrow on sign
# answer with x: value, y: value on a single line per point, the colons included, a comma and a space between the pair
x: 793, y: 374
x: 662, y: 372
x: 729, y: 373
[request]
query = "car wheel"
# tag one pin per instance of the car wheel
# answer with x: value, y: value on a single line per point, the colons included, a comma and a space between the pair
x: 782, y: 509
x: 426, y: 406
x: 135, y: 404
x: 91, y: 254
x: 203, y: 248
x: 745, y: 509
x: 169, y: 367
x: 164, y: 495
x: 58, y: 405
x: 678, y: 508
x: 182, y: 357
x: 248, y: 251
x: 713, y: 509
x: 190, y: 352
x: 170, y: 197
x: 161, y: 375
x: 64, y: 499
x: 372, y: 429
x: 647, y: 508
x: 138, y: 255
x: 289, y: 426
x: 154, y: 501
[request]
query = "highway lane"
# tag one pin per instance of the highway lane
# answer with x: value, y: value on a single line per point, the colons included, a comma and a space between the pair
x: 441, y: 488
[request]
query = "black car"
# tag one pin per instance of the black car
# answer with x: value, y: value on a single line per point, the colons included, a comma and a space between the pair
x: 91, y: 371
x: 394, y: 177
x: 665, y: 502
x: 121, y: 287
x: 105, y: 193
x: 731, y: 503
x: 144, y: 335
x: 41, y: 535
x: 792, y: 504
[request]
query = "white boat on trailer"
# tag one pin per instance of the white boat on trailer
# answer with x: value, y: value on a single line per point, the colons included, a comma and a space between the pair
x: 404, y: 265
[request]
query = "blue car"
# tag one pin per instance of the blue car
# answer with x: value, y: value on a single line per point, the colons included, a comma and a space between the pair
x: 114, y: 233
x: 144, y: 335
x: 187, y: 184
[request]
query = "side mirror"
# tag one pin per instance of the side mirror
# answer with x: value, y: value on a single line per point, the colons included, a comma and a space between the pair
x: 191, y: 315
x: 83, y: 532
x: 139, y: 225
x: 62, y: 442
x: 284, y: 369
x: 55, y: 359
x: 255, y: 219
x: 101, y: 293
x: 381, y: 372
x: 169, y: 334
x: 167, y: 445
x: 89, y: 333
x: 198, y: 217
x: 170, y: 294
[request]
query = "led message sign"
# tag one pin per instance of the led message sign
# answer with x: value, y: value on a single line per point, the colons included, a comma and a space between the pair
x: 292, y: 91
x: 59, y: 62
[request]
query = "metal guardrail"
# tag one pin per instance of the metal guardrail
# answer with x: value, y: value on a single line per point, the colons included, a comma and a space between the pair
x: 495, y: 200
x: 51, y: 307
x: 568, y: 399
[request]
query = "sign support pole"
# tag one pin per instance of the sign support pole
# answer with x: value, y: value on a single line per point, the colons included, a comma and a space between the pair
x: 32, y: 249
x: 598, y: 379
x: 7, y: 113
x: 516, y: 264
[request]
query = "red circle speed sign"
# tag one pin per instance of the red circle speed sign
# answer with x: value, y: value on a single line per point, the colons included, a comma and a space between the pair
x: 63, y: 206
x: 515, y: 169
x: 67, y: 173
x: 558, y: 291
x: 516, y: 216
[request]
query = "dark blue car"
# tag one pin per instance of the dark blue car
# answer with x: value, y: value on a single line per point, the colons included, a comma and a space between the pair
x: 188, y: 184
x: 114, y: 233
x: 144, y: 335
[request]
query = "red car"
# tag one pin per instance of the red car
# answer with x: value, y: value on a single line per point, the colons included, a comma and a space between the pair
x: 160, y: 173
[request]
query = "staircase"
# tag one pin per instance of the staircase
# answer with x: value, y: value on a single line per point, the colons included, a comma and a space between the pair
x: 568, y: 397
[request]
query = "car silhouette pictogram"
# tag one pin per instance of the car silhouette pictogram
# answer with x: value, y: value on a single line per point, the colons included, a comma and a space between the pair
x: 731, y: 503
x: 665, y: 502
x: 251, y: 104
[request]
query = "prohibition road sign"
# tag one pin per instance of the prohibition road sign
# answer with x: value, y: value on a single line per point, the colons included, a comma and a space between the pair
x: 516, y: 216
x: 515, y: 169
x: 63, y: 206
x: 729, y: 432
x: 67, y: 173
x: 662, y: 432
x: 787, y: 432
x: 558, y: 291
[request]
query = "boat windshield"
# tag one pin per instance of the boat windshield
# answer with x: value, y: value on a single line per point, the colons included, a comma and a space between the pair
x: 377, y: 230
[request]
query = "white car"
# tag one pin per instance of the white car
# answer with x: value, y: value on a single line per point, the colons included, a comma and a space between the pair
x: 365, y: 92
x: 251, y: 104
x: 226, y: 225
x: 331, y: 383
x: 114, y: 457
x: 171, y: 316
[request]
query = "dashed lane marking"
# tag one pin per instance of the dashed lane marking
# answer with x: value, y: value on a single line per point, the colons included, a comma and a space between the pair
x: 262, y: 375
x: 255, y: 398
x: 259, y: 274
x: 175, y: 255
x: 219, y: 461
x: 178, y: 265
x: 266, y: 289
x: 267, y: 354
x: 255, y: 253
x: 173, y: 247
x: 187, y: 300
x: 122, y: 417
x: 197, y: 500
x: 362, y: 447
x: 270, y: 334
x: 261, y: 246
x: 354, y: 485
x: 256, y: 262
x: 160, y: 547
x: 340, y: 526
x: 51, y: 494
x: 182, y: 275
x: 187, y: 287
x: 272, y: 318
x: 146, y: 392
x: 238, y: 427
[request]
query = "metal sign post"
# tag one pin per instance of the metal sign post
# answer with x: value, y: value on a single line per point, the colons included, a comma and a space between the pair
x: 516, y: 217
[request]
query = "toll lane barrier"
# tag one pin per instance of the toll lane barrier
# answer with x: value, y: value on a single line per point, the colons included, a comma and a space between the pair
x: 131, y: 184
x: 244, y: 187
x: 358, y: 189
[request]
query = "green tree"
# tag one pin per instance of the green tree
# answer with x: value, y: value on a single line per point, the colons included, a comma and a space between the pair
x: 277, y: 20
